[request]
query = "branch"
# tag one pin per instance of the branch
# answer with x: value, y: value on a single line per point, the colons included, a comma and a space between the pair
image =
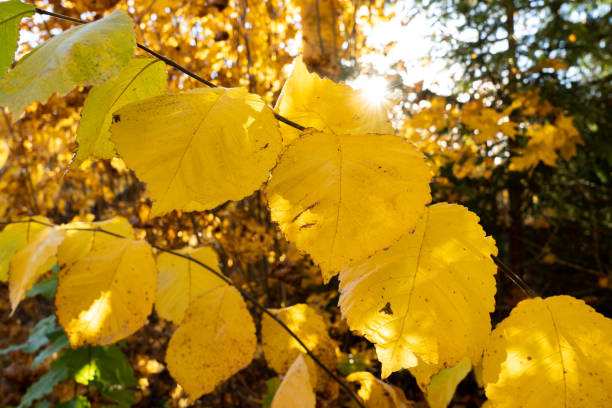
x: 168, y: 61
x: 225, y: 279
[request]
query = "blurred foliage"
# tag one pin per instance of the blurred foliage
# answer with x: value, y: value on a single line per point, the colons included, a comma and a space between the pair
x: 535, y: 79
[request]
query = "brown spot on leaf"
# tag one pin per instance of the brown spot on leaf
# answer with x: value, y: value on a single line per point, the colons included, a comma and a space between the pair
x: 386, y: 309
x: 310, y: 207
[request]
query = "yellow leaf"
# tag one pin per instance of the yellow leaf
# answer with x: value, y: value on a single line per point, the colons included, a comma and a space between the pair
x: 553, y: 352
x: 378, y: 394
x: 180, y: 281
x: 4, y: 152
x: 198, y: 149
x: 296, y: 390
x: 425, y: 302
x: 320, y: 103
x: 65, y: 61
x: 215, y: 340
x: 107, y: 294
x: 13, y: 238
x: 78, y: 243
x: 441, y: 389
x: 32, y: 261
x: 340, y: 198
x: 142, y: 78
x: 280, y: 349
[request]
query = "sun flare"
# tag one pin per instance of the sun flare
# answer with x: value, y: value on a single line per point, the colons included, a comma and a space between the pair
x: 374, y: 88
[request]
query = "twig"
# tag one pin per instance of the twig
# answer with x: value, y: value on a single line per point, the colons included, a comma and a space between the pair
x: 514, y: 277
x: 168, y: 61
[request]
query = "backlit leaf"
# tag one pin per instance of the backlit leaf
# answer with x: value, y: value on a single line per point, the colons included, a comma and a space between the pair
x: 198, y: 149
x: 215, y: 340
x: 87, y: 54
x: 11, y: 13
x: 296, y: 390
x: 281, y: 350
x: 425, y: 302
x: 105, y: 364
x: 32, y: 261
x: 553, y: 352
x: 317, y: 102
x: 14, y: 237
x: 378, y: 394
x: 107, y: 294
x: 78, y: 241
x: 180, y: 281
x: 441, y: 389
x: 340, y: 198
x: 142, y: 78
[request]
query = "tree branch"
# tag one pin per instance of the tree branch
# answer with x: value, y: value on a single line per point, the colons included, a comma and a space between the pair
x: 168, y: 61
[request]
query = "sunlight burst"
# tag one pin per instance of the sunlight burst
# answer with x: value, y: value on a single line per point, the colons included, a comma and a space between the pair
x: 374, y: 88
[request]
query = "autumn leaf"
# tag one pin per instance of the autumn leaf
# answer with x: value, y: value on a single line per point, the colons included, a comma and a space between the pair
x: 65, y: 61
x: 11, y: 13
x: 180, y: 281
x: 441, y: 389
x: 425, y: 302
x: 106, y: 294
x: 142, y: 78
x: 280, y: 349
x: 32, y: 261
x: 378, y: 394
x: 296, y: 390
x: 198, y: 149
x: 340, y: 198
x: 320, y: 103
x: 14, y: 237
x: 553, y: 352
x: 79, y: 241
x: 216, y: 339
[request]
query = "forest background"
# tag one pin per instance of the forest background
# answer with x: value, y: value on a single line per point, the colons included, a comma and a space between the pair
x: 516, y: 128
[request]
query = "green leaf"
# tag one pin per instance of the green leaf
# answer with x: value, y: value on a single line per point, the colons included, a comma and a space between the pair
x: 46, y: 287
x: 105, y: 364
x: 88, y: 54
x: 142, y: 78
x: 44, y: 385
x: 271, y: 387
x: 123, y: 397
x: 59, y: 341
x: 37, y: 338
x: 11, y: 13
x: 78, y: 402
